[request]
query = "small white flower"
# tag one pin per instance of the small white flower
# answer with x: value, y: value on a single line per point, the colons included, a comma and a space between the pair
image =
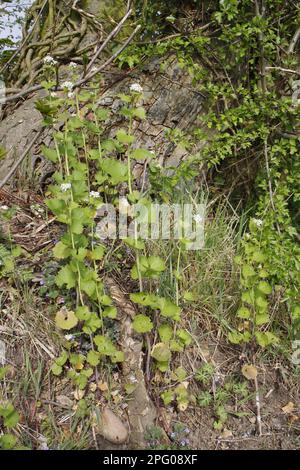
x: 48, y: 60
x: 67, y: 85
x: 198, y: 218
x: 71, y: 94
x: 133, y: 379
x: 94, y: 194
x: 69, y: 337
x: 4, y: 208
x: 73, y: 65
x: 65, y: 186
x: 159, y: 13
x: 258, y: 222
x: 136, y: 88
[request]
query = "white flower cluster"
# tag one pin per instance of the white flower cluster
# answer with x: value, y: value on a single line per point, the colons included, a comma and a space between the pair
x: 48, y: 60
x: 65, y: 186
x: 94, y: 194
x: 72, y: 65
x: 4, y: 208
x: 67, y: 85
x: 136, y: 88
x: 258, y: 222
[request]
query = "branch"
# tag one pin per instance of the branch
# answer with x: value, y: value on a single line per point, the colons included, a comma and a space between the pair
x: 109, y: 61
x: 294, y: 41
x: 19, y: 161
x: 284, y: 70
x: 113, y: 33
x: 85, y: 79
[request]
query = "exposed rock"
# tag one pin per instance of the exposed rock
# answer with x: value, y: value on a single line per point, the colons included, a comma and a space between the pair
x: 141, y: 411
x: 112, y: 428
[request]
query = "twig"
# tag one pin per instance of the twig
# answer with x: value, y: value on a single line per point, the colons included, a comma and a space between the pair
x: 258, y: 414
x: 294, y: 41
x: 109, y: 61
x: 113, y: 33
x: 19, y: 161
x: 281, y: 69
x: 269, y: 180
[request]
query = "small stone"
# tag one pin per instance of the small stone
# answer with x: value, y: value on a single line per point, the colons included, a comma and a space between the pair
x: 112, y: 428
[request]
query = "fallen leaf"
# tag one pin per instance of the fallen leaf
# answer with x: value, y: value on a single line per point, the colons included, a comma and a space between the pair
x: 293, y: 419
x: 226, y: 434
x: 288, y: 408
x: 78, y: 394
x: 64, y: 400
x: 103, y: 386
x: 249, y: 371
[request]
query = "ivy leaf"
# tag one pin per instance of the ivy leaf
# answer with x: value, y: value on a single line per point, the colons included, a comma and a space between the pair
x: 161, y: 352
x: 66, y: 276
x: 62, y: 359
x: 266, y: 338
x: 50, y: 154
x: 92, y: 323
x: 133, y: 243
x: 98, y: 253
x: 61, y: 251
x: 118, y: 356
x: 7, y: 441
x: 165, y: 332
x: 175, y: 346
x: 248, y: 271
x: 10, y: 415
x: 142, y: 324
x: 116, y: 170
x: 184, y: 337
x: 83, y: 312
x: 169, y: 309
x: 167, y: 397
x: 93, y: 358
x: 141, y: 154
x: 66, y: 319
x: 243, y: 312
x: 265, y: 287
x: 104, y: 345
x: 110, y: 312
x: 56, y: 369
x: 125, y: 138
x: 262, y: 319
x: 139, y: 112
x: 88, y: 286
